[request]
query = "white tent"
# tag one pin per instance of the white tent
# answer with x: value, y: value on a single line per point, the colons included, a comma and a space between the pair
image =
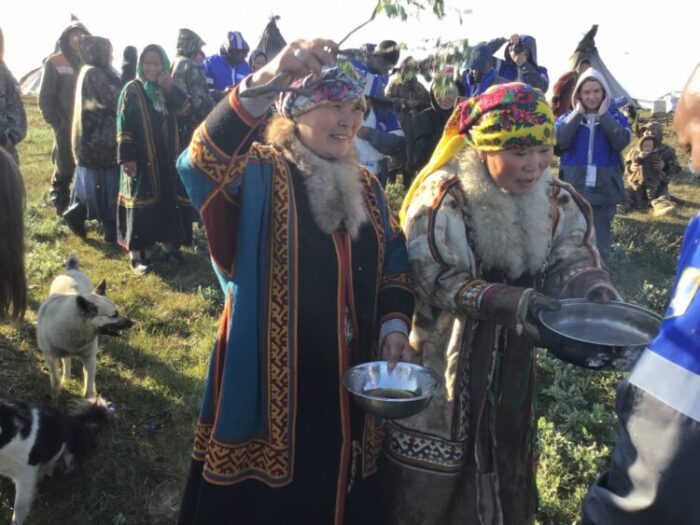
x: 663, y: 104
x: 587, y: 49
x: 29, y: 83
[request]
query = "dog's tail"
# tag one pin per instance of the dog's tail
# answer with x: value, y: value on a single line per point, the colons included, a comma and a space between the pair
x: 72, y: 262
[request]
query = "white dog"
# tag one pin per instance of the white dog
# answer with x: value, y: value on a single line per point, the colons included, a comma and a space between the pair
x: 69, y: 322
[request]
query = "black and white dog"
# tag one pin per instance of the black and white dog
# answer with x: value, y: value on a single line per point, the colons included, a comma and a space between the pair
x: 69, y: 322
x: 35, y: 440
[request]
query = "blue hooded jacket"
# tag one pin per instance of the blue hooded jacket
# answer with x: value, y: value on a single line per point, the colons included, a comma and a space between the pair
x: 530, y: 72
x: 604, y: 137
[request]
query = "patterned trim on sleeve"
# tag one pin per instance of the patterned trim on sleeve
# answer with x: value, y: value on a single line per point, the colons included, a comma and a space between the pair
x: 236, y: 105
x: 473, y: 295
x: 403, y: 280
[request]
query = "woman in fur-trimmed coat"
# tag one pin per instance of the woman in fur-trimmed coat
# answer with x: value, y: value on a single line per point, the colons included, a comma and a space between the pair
x: 316, y: 278
x: 492, y: 238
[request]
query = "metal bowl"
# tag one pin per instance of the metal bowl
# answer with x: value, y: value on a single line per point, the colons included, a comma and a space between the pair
x: 598, y: 336
x: 391, y: 394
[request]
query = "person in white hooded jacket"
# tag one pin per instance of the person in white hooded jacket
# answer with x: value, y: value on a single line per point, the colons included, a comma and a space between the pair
x: 590, y: 139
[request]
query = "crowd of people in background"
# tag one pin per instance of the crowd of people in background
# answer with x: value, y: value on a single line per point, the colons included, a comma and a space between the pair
x: 164, y: 145
x: 403, y: 123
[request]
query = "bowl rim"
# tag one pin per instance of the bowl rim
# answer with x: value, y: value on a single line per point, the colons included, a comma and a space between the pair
x: 432, y: 373
x: 582, y: 300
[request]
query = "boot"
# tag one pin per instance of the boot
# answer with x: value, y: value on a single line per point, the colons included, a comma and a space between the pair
x: 60, y: 199
x: 75, y: 218
x: 110, y: 230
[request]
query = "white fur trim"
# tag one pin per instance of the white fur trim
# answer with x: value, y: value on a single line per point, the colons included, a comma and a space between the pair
x: 511, y: 233
x: 335, y: 187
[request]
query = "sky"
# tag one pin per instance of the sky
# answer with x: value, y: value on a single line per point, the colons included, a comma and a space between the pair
x: 650, y: 50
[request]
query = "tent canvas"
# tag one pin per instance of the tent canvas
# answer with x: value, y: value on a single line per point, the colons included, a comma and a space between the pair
x: 587, y: 49
x: 663, y: 104
x: 29, y: 84
x: 271, y: 41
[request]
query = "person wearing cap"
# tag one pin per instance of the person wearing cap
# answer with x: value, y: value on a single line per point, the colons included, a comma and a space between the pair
x: 380, y: 135
x: 480, y: 73
x: 56, y: 98
x: 493, y: 238
x: 654, y: 472
x: 189, y: 78
x: 316, y: 279
x: 228, y: 67
x: 564, y: 87
x: 590, y: 140
x: 13, y: 118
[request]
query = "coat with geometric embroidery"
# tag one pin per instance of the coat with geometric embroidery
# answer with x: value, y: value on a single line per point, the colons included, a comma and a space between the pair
x: 468, y: 458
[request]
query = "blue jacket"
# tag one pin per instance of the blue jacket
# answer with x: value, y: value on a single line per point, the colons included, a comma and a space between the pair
x: 219, y: 73
x: 670, y: 367
x: 530, y: 72
x: 611, y: 134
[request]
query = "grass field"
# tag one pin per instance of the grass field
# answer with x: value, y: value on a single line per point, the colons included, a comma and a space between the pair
x: 154, y: 375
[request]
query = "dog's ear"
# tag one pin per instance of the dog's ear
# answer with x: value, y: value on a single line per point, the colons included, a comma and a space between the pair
x: 101, y: 288
x: 85, y: 306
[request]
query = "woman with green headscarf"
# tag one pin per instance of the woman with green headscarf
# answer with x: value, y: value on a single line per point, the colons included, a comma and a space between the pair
x: 153, y: 204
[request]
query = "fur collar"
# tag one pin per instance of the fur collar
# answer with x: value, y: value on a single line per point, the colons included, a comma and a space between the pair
x: 511, y: 233
x: 335, y: 187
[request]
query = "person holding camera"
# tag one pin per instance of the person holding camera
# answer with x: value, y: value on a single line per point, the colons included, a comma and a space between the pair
x: 520, y: 63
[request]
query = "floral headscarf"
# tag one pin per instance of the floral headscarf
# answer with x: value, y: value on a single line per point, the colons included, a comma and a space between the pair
x: 506, y: 117
x: 152, y: 89
x: 332, y: 85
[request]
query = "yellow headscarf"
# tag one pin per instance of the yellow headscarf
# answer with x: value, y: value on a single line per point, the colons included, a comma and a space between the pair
x: 507, y: 116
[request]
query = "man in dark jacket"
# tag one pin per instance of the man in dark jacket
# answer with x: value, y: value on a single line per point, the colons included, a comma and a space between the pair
x: 13, y: 119
x: 56, y: 97
x: 655, y: 470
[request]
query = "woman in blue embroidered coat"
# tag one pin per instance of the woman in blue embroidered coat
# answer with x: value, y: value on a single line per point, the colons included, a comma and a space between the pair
x: 315, y: 273
x: 153, y: 204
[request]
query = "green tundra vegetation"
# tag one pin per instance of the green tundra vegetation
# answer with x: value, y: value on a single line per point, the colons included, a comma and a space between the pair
x: 154, y: 375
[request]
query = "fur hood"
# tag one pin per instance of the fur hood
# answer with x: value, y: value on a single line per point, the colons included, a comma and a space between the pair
x: 335, y: 187
x: 509, y: 232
